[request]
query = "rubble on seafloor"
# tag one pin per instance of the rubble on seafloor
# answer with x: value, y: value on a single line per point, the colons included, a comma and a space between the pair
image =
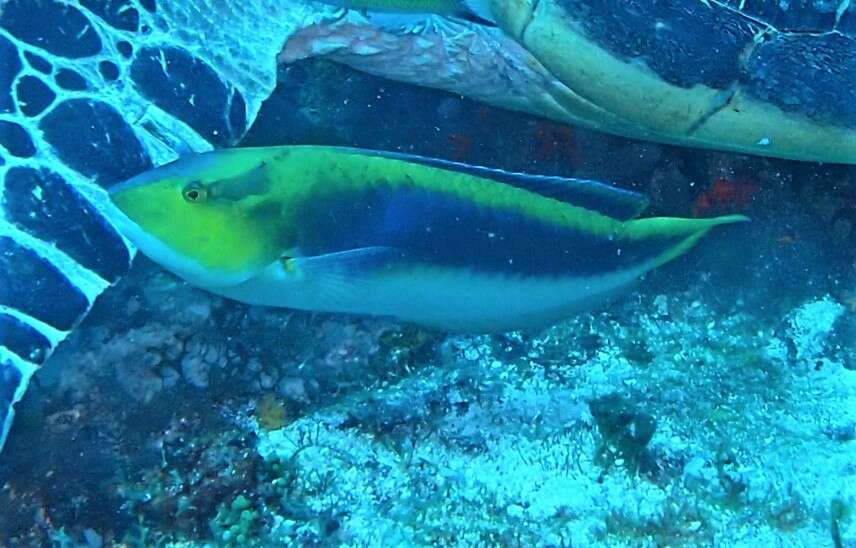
x: 657, y: 421
x: 701, y: 436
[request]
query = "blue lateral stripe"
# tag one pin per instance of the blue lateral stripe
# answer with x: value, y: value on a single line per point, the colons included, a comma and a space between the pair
x: 444, y: 230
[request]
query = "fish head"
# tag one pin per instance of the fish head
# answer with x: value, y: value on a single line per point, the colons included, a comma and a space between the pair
x: 211, y: 218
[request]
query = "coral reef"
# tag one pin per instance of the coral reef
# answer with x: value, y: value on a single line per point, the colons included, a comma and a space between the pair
x: 810, y: 326
x: 657, y: 421
x: 538, y: 452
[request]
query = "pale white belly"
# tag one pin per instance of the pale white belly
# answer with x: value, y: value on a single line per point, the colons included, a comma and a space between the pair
x: 448, y: 299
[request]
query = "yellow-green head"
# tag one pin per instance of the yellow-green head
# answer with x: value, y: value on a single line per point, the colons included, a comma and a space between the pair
x: 209, y: 218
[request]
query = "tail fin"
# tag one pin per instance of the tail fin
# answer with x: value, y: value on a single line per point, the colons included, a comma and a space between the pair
x: 685, y: 232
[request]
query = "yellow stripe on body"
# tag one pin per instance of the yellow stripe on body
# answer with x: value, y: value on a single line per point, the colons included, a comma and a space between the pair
x: 307, y: 172
x: 322, y: 171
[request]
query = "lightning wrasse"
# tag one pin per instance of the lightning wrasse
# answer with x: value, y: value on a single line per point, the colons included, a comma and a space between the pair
x: 437, y: 243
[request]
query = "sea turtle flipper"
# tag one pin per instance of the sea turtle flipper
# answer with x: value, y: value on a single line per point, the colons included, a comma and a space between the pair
x: 767, y: 78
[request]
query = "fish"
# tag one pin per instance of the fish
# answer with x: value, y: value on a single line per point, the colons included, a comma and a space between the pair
x: 440, y: 244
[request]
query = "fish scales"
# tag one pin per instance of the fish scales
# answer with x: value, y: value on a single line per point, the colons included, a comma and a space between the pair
x: 443, y: 218
x: 431, y: 242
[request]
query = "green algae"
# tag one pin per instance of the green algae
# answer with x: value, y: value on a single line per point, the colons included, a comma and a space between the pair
x: 235, y: 523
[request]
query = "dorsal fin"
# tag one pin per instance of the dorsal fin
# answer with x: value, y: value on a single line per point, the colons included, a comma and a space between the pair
x: 606, y: 199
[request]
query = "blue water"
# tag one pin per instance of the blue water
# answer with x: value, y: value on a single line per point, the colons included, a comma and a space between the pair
x: 712, y: 405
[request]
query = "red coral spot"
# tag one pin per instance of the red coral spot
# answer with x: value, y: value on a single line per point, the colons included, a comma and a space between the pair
x: 725, y: 195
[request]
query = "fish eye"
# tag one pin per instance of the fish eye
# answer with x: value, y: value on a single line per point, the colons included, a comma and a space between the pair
x: 195, y: 192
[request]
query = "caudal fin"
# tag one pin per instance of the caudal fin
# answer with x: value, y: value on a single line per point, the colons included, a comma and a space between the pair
x: 683, y: 233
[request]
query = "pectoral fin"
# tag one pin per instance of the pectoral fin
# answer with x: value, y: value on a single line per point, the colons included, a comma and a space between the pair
x: 351, y: 262
x: 336, y: 277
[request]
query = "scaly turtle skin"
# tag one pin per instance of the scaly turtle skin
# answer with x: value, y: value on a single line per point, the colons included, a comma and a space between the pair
x: 93, y: 92
x: 757, y: 77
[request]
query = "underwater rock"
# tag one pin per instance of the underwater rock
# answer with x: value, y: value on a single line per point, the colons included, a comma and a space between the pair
x: 200, y: 356
x: 391, y: 433
x: 626, y: 433
x: 811, y: 325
